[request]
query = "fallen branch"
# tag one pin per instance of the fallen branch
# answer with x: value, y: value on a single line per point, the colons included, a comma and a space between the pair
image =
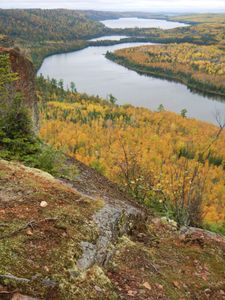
x: 30, y: 224
x: 45, y: 282
x: 12, y: 277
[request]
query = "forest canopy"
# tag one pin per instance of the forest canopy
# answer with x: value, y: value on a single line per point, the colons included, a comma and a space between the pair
x: 199, y: 67
x: 158, y: 157
x: 43, y: 25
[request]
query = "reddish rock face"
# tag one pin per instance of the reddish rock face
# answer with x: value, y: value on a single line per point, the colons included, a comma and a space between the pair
x: 26, y: 83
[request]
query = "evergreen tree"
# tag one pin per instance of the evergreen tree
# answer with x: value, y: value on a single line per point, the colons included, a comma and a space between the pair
x: 17, y: 139
x: 7, y: 78
x: 184, y: 113
x: 160, y: 108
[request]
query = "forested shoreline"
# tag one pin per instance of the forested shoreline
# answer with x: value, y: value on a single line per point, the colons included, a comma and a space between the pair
x: 169, y: 75
x: 59, y: 31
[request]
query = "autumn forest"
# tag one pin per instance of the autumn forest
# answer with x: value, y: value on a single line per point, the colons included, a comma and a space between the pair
x: 167, y: 162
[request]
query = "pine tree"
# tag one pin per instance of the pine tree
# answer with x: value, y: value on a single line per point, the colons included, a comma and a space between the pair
x: 7, y: 78
x: 17, y: 139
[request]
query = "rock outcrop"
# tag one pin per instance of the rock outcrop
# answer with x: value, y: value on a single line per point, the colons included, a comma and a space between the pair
x: 26, y: 83
x: 90, y: 241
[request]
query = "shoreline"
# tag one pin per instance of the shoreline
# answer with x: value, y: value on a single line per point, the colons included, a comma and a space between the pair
x: 150, y: 72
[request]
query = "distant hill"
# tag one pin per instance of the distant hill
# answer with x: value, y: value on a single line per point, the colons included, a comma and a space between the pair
x: 105, y: 15
x: 46, y: 32
x: 42, y: 25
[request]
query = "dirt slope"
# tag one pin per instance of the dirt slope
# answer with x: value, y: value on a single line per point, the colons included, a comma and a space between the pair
x: 54, y: 239
x: 84, y: 239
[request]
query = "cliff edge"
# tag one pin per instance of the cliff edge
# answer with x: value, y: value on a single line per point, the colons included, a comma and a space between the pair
x: 26, y: 82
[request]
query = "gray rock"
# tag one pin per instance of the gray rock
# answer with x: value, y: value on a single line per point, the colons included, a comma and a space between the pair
x: 113, y: 220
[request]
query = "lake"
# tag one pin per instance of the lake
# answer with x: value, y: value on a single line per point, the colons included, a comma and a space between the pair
x: 141, y: 23
x: 96, y: 75
x: 109, y: 38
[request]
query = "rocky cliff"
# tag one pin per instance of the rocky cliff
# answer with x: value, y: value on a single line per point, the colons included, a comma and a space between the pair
x: 26, y: 83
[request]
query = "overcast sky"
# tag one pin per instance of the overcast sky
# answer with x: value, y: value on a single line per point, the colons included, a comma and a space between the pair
x: 131, y: 5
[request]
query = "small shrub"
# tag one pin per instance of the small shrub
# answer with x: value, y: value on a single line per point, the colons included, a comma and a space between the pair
x: 17, y: 140
x: 217, y: 228
x: 96, y: 164
x: 54, y: 162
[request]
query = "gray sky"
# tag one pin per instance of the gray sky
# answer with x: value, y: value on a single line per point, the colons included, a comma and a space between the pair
x: 131, y: 5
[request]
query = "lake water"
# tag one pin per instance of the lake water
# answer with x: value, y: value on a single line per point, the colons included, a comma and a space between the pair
x: 141, y: 23
x: 109, y: 38
x: 96, y: 75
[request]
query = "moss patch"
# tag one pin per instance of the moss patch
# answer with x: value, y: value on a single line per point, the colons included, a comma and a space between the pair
x: 40, y: 244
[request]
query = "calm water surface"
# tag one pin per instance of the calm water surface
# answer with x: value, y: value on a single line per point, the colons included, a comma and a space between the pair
x: 94, y: 74
x: 109, y: 38
x: 141, y: 23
